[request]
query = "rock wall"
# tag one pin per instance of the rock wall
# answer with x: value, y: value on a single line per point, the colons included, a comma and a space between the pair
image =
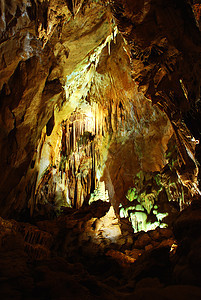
x: 164, y: 44
x: 38, y: 42
x: 96, y: 102
x: 71, y: 113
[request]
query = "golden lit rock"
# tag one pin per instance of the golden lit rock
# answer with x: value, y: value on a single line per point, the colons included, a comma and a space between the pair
x: 99, y: 149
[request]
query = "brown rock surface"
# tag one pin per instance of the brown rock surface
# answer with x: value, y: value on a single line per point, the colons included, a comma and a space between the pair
x: 100, y: 100
x: 70, y: 114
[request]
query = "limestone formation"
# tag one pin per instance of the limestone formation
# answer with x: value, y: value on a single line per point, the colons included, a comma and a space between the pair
x: 99, y: 149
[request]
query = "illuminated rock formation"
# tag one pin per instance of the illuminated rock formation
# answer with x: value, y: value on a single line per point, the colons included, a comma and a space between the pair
x: 99, y: 148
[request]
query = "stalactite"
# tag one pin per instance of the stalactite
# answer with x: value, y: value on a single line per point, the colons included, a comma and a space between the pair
x: 63, y: 141
x: 37, y: 243
x: 79, y: 159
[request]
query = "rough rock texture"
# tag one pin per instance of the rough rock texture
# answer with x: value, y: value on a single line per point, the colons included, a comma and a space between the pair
x: 58, y: 141
x: 187, y: 260
x: 164, y: 47
x: 162, y: 55
x: 81, y: 254
x: 99, y: 100
x: 72, y: 114
x: 37, y: 52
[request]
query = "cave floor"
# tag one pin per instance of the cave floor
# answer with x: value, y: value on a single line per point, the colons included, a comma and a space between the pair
x: 71, y: 257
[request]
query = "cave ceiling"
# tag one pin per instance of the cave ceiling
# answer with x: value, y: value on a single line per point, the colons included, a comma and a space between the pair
x: 100, y: 124
x: 98, y: 95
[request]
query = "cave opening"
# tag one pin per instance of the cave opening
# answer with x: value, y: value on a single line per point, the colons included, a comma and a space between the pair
x: 99, y: 152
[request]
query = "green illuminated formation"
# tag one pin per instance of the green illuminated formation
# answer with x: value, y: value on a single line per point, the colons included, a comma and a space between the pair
x: 152, y: 202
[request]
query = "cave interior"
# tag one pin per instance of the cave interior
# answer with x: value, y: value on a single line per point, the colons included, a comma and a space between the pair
x: 100, y: 130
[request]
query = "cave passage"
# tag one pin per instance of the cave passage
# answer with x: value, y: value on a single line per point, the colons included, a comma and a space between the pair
x: 100, y: 149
